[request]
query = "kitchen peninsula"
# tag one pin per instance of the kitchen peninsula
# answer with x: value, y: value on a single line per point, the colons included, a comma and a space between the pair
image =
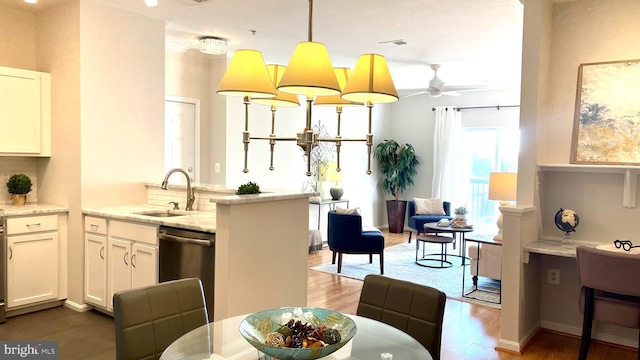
x: 261, y: 244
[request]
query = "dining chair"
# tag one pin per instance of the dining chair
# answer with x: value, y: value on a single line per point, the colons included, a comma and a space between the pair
x: 417, y: 310
x: 610, y: 290
x: 149, y: 319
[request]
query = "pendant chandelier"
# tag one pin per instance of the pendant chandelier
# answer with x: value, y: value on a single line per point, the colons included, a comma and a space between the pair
x: 309, y: 73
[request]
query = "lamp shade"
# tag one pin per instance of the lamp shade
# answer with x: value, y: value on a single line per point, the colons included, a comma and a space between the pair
x: 281, y: 99
x: 309, y: 72
x: 503, y: 186
x: 371, y: 81
x: 247, y: 75
x: 334, y: 175
x: 342, y: 74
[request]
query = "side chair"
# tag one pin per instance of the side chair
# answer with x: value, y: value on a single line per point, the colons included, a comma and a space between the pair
x: 149, y: 319
x: 610, y: 290
x: 417, y: 310
x: 346, y: 236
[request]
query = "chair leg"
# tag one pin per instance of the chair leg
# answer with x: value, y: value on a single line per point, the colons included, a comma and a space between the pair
x: 382, y: 262
x: 339, y: 262
x: 410, y: 233
x: 333, y: 257
x: 370, y: 258
x: 586, y: 323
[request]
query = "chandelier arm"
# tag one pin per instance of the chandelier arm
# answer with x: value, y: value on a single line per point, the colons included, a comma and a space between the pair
x: 369, y: 138
x: 310, y: 33
x: 245, y: 134
x: 338, y: 138
x: 272, y: 141
x: 335, y: 140
x: 274, y: 138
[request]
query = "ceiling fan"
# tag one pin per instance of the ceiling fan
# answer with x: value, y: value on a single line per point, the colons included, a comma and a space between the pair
x: 437, y: 87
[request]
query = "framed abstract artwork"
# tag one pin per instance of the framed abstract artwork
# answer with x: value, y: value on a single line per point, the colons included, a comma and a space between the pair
x: 606, y: 126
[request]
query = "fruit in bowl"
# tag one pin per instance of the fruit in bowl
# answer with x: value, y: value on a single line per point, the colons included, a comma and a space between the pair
x: 297, y: 333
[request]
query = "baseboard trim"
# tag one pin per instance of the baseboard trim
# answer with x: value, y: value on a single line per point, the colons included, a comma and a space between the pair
x: 77, y: 307
x: 603, y: 337
x: 518, y: 347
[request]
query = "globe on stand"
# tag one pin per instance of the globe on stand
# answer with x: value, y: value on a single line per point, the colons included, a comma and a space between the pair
x: 567, y: 221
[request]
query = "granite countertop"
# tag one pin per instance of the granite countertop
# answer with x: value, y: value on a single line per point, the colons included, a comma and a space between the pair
x: 192, y: 220
x: 556, y: 248
x: 31, y: 209
x: 262, y: 197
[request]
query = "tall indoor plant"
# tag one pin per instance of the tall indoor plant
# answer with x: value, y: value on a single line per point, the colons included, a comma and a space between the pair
x: 398, y: 165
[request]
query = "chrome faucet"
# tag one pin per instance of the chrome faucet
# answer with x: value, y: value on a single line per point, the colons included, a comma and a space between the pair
x: 191, y: 197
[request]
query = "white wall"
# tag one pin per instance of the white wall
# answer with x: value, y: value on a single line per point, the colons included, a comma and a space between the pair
x: 122, y: 104
x: 18, y: 40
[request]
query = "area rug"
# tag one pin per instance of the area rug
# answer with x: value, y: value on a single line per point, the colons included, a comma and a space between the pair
x: 400, y: 263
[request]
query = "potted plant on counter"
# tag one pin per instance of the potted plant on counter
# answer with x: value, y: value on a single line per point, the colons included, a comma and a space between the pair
x: 19, y: 185
x: 398, y: 165
x: 248, y: 188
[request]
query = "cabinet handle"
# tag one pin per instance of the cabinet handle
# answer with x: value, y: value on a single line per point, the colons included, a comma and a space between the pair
x: 94, y: 227
x: 133, y: 259
x: 102, y: 253
x: 125, y: 258
x: 33, y: 225
x: 10, y: 253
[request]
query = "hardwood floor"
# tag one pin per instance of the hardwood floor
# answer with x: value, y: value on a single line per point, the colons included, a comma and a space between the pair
x: 470, y: 331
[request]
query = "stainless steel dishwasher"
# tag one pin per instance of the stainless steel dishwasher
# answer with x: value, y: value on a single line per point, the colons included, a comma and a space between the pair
x: 185, y: 254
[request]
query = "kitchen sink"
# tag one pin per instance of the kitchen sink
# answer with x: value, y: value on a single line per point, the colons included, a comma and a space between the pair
x: 162, y: 213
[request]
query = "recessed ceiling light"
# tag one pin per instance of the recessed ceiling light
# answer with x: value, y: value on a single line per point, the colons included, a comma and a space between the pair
x: 398, y: 42
x: 151, y: 3
x: 31, y: 1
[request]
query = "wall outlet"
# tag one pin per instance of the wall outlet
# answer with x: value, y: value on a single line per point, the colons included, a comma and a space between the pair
x: 217, y: 168
x: 553, y: 276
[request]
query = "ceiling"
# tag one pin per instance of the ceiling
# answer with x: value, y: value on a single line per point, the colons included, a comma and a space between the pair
x: 476, y: 41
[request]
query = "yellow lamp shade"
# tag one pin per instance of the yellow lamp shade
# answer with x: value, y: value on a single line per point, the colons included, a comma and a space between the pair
x: 503, y: 186
x: 342, y: 74
x: 334, y: 175
x: 282, y: 98
x: 310, y: 72
x: 371, y: 81
x: 247, y: 75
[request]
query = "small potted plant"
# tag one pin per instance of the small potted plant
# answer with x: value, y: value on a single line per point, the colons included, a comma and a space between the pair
x: 248, y: 188
x: 19, y: 185
x: 460, y: 212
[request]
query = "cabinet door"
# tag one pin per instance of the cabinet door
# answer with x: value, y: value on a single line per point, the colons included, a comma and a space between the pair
x: 24, y: 112
x: 95, y: 269
x: 144, y: 270
x: 32, y: 268
x: 118, y: 268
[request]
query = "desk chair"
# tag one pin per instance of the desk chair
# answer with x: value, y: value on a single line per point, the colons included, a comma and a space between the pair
x: 417, y: 310
x: 610, y: 290
x: 346, y: 236
x: 149, y: 319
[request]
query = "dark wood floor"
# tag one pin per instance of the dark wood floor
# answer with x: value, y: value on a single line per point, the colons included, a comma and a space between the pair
x: 470, y: 330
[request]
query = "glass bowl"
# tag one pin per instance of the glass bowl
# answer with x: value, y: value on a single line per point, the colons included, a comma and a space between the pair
x: 255, y: 327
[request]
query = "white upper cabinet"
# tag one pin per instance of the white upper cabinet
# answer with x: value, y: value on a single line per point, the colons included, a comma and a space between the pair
x: 25, y: 113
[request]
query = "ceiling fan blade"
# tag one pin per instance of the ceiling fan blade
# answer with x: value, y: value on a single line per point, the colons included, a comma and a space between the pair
x: 414, y: 94
x: 451, y: 93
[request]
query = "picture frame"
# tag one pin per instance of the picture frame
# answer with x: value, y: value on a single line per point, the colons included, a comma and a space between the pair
x: 607, y: 114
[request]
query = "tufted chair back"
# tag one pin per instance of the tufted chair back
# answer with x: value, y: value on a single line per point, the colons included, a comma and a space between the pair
x: 415, y: 309
x: 149, y: 319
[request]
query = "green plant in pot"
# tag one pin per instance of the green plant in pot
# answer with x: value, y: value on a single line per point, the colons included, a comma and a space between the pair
x: 460, y: 212
x: 19, y: 185
x: 248, y: 188
x: 398, y: 165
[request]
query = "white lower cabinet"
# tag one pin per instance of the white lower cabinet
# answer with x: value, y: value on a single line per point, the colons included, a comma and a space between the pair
x: 32, y: 260
x: 129, y: 259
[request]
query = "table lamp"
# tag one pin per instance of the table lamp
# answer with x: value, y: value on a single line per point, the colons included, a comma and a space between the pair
x: 335, y: 177
x: 502, y: 187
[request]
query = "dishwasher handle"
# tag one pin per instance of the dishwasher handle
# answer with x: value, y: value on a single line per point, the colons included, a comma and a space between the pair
x: 184, y: 240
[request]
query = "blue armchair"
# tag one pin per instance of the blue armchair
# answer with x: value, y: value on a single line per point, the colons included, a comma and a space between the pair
x: 416, y: 222
x: 346, y: 236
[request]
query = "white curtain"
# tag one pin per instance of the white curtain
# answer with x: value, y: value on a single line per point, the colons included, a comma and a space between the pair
x: 448, y: 173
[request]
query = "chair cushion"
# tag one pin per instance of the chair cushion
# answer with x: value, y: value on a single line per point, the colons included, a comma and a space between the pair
x: 621, y: 310
x: 429, y: 206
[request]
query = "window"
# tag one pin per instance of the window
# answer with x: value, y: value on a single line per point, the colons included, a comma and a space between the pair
x: 486, y: 150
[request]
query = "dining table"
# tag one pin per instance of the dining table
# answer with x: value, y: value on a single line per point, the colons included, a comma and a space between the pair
x: 221, y: 340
